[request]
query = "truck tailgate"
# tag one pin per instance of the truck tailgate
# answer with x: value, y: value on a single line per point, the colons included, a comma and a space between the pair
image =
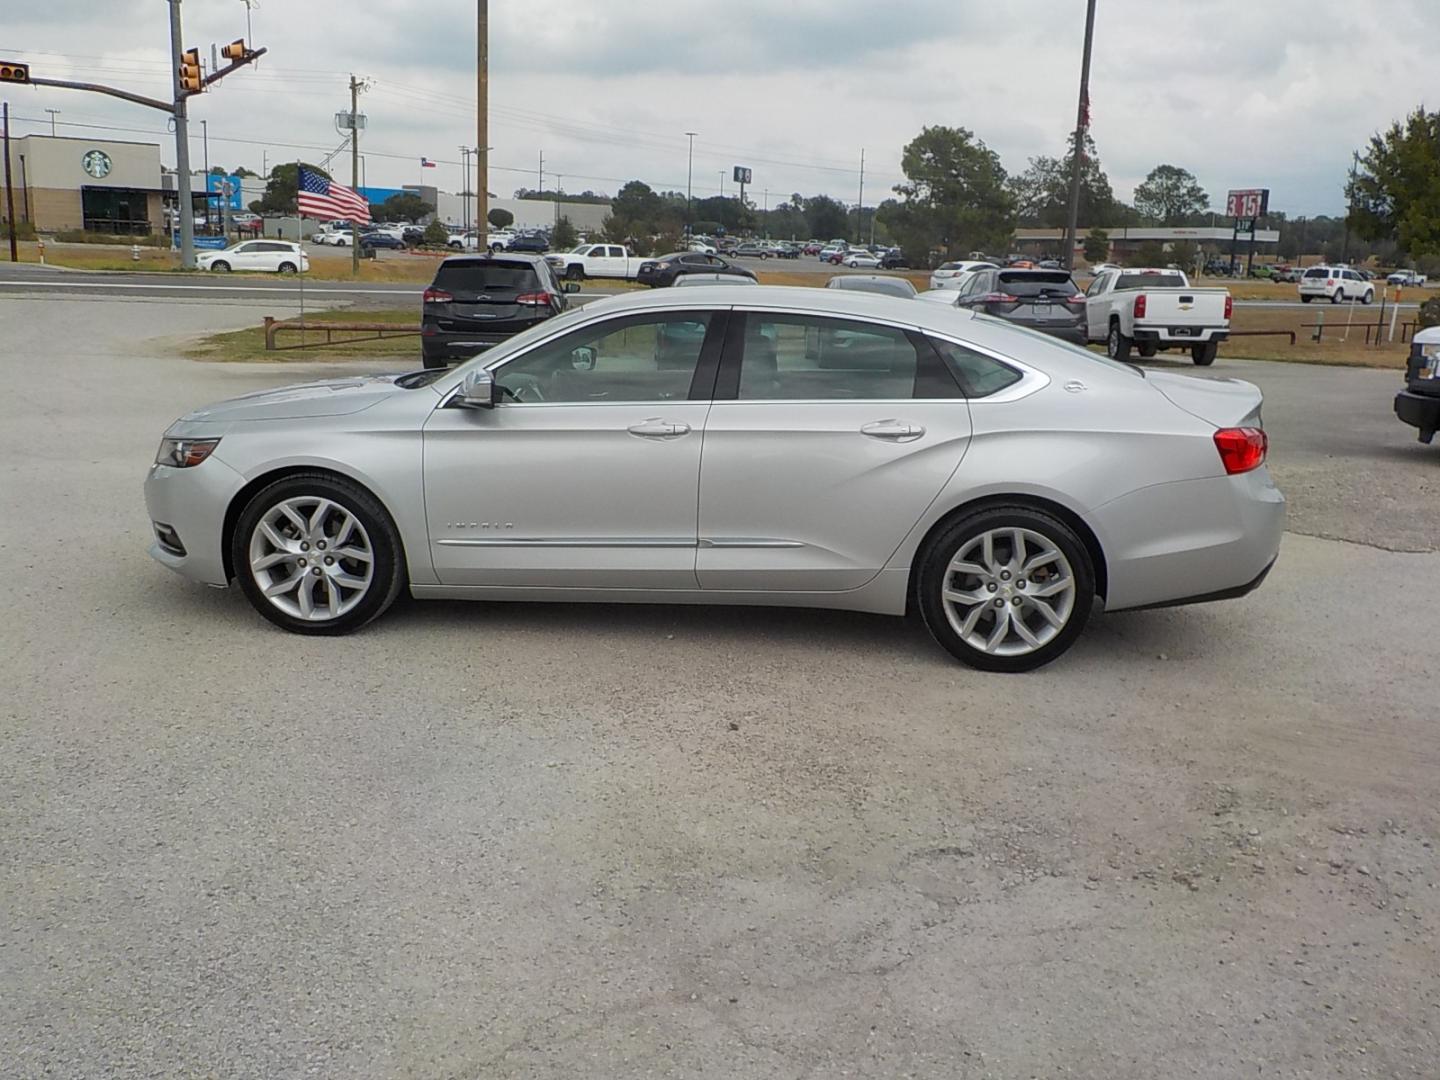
x: 1184, y: 307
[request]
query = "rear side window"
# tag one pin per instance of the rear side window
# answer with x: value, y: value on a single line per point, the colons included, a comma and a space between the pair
x: 1038, y: 284
x: 1148, y: 281
x: 1317, y: 272
x: 979, y: 375
x: 484, y: 275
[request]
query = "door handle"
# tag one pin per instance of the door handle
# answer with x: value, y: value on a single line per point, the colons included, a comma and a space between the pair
x: 893, y: 430
x: 656, y: 428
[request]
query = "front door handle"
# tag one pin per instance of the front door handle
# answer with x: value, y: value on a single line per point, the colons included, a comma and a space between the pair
x: 656, y: 428
x: 893, y: 430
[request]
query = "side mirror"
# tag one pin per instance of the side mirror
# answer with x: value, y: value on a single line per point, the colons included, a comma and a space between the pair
x: 583, y: 358
x: 479, y: 390
x: 572, y: 286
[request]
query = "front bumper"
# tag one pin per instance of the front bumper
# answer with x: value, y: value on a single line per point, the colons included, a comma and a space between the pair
x: 192, y: 502
x: 1419, y: 411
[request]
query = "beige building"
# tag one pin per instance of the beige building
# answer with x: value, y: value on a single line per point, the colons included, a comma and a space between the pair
x: 98, y: 184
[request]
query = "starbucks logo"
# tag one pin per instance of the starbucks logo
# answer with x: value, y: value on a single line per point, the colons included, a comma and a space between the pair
x: 96, y: 163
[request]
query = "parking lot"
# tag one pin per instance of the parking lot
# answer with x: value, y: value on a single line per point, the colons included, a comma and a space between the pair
x: 491, y: 840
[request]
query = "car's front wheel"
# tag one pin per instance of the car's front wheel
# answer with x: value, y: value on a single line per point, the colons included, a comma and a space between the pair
x: 1006, y: 588
x: 220, y: 266
x: 1369, y: 297
x: 317, y: 555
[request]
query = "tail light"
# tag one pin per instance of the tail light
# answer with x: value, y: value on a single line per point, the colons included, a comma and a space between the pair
x: 999, y: 298
x: 1241, y: 449
x: 1229, y: 304
x: 1330, y: 281
x: 533, y: 298
x: 1078, y: 298
x: 1140, y: 306
x: 436, y: 296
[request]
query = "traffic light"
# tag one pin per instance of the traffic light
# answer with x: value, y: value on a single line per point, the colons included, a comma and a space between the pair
x: 191, y: 81
x: 235, y: 50
x: 10, y: 71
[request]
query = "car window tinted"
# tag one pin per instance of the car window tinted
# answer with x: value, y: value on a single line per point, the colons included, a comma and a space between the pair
x: 1041, y: 283
x: 979, y: 375
x: 484, y: 276
x: 807, y: 358
x: 641, y: 358
x: 1152, y: 280
x: 1317, y: 272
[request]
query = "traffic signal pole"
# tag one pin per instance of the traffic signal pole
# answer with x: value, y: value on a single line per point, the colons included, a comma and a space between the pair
x: 185, y: 208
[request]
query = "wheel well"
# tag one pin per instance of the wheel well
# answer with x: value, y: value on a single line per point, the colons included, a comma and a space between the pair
x: 1034, y: 502
x: 245, y: 494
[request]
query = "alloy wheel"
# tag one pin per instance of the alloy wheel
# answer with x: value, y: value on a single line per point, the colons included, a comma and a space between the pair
x: 311, y: 558
x: 1008, y: 591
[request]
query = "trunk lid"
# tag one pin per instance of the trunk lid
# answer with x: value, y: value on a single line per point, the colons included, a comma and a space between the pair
x: 1222, y: 402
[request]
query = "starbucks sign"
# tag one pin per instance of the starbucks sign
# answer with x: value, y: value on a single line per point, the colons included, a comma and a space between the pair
x: 96, y: 163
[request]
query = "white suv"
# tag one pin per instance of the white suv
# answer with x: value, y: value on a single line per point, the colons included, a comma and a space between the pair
x: 1336, y: 284
x: 952, y: 275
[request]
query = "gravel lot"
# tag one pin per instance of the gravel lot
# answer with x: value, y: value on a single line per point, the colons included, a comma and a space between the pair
x: 525, y: 841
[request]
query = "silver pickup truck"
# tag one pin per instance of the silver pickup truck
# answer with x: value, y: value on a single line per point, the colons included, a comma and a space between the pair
x: 1155, y: 310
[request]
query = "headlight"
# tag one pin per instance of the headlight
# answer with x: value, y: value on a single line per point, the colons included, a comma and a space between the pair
x: 184, y: 453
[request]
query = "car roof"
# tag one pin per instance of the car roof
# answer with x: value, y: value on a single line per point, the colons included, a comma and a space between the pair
x: 488, y: 257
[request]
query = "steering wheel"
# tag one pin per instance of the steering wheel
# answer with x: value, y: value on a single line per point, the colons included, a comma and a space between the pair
x: 526, y: 388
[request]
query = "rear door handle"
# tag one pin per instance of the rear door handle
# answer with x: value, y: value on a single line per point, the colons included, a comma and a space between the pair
x: 893, y: 430
x: 656, y: 428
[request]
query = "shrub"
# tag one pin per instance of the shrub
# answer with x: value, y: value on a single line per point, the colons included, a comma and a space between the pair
x: 436, y: 234
x: 1430, y: 312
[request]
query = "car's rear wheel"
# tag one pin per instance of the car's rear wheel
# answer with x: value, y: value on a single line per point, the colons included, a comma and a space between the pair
x: 317, y: 555
x: 1006, y: 588
x: 1117, y: 345
x: 1204, y: 353
x: 286, y: 268
x: 1306, y: 299
x: 575, y: 273
x: 1337, y: 296
x: 1148, y: 349
x: 221, y: 266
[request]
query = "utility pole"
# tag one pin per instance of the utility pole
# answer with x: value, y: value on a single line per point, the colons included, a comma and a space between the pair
x: 689, y: 175
x: 9, y: 191
x: 53, y: 113
x: 355, y: 172
x: 542, y: 172
x: 1082, y: 125
x: 205, y: 142
x: 1349, y: 205
x: 465, y: 188
x: 185, y: 207
x: 860, y: 203
x: 482, y: 114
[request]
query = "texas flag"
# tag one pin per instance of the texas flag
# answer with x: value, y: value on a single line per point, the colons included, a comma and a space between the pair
x: 426, y: 163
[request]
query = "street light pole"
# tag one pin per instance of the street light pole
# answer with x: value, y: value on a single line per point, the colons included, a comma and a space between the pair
x: 1082, y: 125
x: 689, y: 174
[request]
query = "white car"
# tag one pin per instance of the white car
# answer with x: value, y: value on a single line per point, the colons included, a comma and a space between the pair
x: 948, y: 297
x: 829, y: 251
x: 952, y: 275
x: 275, y: 256
x: 857, y: 260
x: 1336, y: 284
x: 702, y: 247
x: 1405, y: 277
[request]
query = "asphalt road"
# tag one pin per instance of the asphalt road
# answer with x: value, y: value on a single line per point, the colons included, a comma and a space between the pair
x: 483, y: 841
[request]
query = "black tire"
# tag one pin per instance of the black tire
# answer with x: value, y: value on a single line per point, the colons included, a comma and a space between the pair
x: 1117, y: 345
x: 575, y: 273
x: 1148, y: 349
x: 1369, y: 297
x: 220, y: 266
x: 387, y: 577
x: 1338, y: 296
x: 286, y: 268
x: 930, y: 584
x: 1306, y: 299
x: 433, y: 362
x: 1204, y: 354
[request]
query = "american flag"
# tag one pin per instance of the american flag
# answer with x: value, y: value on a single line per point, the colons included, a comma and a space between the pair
x: 325, y: 199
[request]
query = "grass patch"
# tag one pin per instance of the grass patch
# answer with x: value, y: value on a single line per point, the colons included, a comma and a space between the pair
x: 248, y: 345
x: 1335, y: 346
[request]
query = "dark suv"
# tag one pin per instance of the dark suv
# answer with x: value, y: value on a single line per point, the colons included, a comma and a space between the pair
x: 477, y: 301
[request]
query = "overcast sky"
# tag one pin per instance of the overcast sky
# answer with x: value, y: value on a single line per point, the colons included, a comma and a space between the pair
x: 1242, y: 92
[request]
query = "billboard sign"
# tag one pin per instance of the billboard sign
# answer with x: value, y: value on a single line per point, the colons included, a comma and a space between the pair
x: 1247, y: 203
x: 223, y: 189
x: 742, y: 174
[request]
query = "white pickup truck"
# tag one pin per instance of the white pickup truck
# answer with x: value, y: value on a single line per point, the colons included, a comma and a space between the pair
x: 596, y: 260
x: 1155, y: 310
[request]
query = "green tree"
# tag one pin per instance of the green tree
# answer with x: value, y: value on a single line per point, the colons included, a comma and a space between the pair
x: 1184, y: 254
x: 1042, y: 191
x: 1396, y: 193
x: 826, y: 218
x: 954, y: 197
x: 1169, y: 195
x: 404, y: 206
x: 1097, y: 246
x: 1149, y: 253
x: 500, y: 217
x: 563, y: 237
x: 279, y: 197
x: 436, y: 234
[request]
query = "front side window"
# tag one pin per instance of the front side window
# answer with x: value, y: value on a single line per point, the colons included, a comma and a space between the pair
x: 641, y: 358
x: 808, y: 358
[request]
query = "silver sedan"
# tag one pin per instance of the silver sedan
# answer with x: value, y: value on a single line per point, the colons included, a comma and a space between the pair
x: 798, y: 447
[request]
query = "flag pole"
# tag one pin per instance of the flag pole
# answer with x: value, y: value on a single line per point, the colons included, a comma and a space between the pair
x: 300, y: 242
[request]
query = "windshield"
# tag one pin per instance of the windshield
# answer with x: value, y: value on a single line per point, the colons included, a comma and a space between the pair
x: 1038, y: 283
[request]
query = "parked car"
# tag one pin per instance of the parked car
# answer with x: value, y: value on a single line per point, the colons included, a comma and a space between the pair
x: 944, y: 276
x: 1156, y: 310
x: 948, y: 297
x: 533, y: 243
x: 658, y: 273
x: 1405, y: 277
x: 863, y: 490
x: 894, y: 259
x: 785, y: 251
x: 276, y: 256
x: 1336, y: 284
x: 860, y: 259
x: 244, y: 219
x: 876, y: 283
x: 812, y: 247
x: 702, y: 246
x: 1419, y: 403
x: 750, y: 249
x: 1044, y: 300
x: 705, y: 277
x: 377, y: 239
x: 832, y: 252
x: 477, y: 301
x: 596, y: 260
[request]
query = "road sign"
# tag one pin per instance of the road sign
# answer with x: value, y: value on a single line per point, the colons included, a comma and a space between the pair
x: 742, y: 174
x: 1244, y: 225
x: 1247, y: 203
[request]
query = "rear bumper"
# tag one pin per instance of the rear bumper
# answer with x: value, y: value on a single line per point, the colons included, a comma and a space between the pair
x: 453, y: 344
x: 1419, y: 411
x: 1181, y: 335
